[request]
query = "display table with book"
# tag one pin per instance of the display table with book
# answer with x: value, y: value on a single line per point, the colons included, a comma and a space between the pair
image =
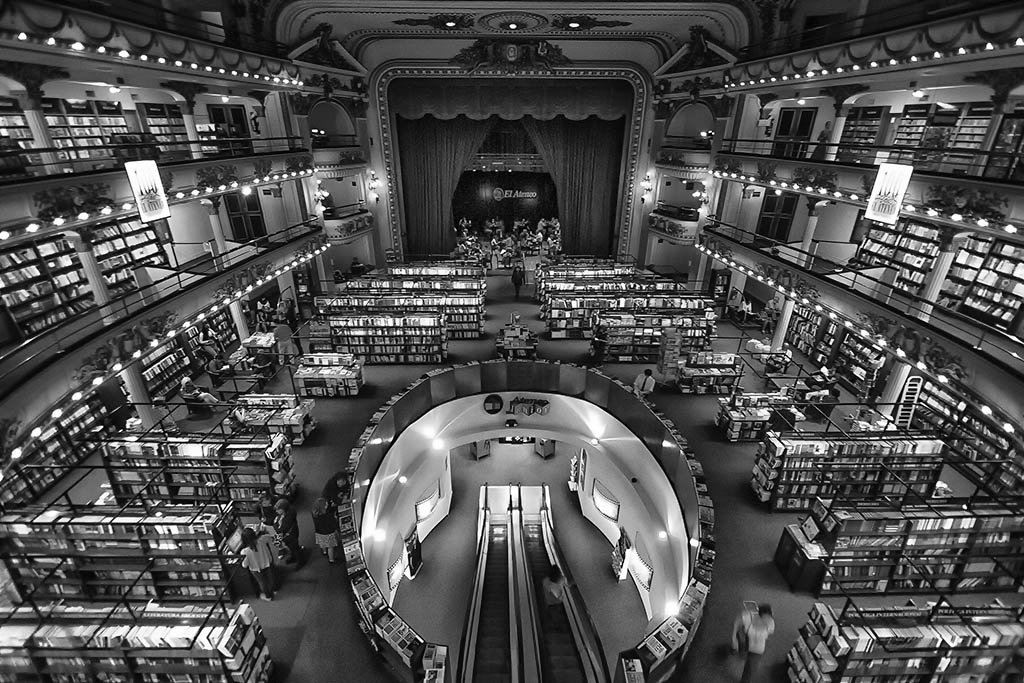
x: 329, y: 374
x: 517, y: 341
x: 278, y: 413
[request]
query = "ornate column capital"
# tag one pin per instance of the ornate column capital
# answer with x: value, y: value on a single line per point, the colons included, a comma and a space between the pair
x: 841, y: 93
x: 212, y: 205
x: 188, y: 90
x: 33, y: 77
x: 1001, y: 82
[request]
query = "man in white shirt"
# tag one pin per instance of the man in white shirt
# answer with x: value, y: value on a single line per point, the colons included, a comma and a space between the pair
x: 754, y: 630
x: 644, y: 383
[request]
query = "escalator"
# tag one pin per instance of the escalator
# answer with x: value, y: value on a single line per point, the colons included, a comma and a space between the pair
x: 559, y: 657
x: 493, y: 656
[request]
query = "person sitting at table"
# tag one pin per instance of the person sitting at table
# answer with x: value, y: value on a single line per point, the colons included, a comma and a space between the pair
x: 218, y: 368
x: 823, y: 378
x: 263, y: 365
x: 191, y: 393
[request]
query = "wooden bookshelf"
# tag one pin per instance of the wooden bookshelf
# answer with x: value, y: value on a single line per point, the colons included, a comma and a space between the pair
x: 998, y: 290
x: 709, y: 373
x: 223, y: 328
x: 463, y: 311
x: 570, y: 316
x: 1005, y: 161
x: 166, y: 123
x: 121, y: 248
x: 578, y: 271
x: 452, y: 270
x: 15, y: 134
x: 859, y: 364
x: 64, y: 443
x: 965, y: 270
x: 80, y: 125
x: 791, y: 471
x: 383, y: 338
x: 43, y: 283
x: 637, y: 337
x: 826, y: 345
x: 861, y: 131
x: 927, y: 546
x: 191, y: 469
x: 144, y: 642
x: 969, y: 133
x: 804, y: 329
x: 170, y: 553
x: 164, y: 367
x: 910, y: 249
x: 329, y: 374
x: 896, y: 644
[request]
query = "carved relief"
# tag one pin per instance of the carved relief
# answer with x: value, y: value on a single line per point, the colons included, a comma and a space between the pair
x: 917, y: 345
x: 120, y: 347
x: 188, y: 90
x: 583, y: 22
x: 215, y: 176
x: 33, y: 77
x: 441, y: 22
x: 510, y: 56
x: 70, y: 200
x: 792, y: 280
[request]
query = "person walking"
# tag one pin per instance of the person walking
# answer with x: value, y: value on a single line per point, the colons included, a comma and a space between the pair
x: 325, y: 527
x: 287, y: 526
x: 553, y: 590
x: 751, y: 632
x: 518, y: 278
x: 259, y: 556
x: 644, y: 383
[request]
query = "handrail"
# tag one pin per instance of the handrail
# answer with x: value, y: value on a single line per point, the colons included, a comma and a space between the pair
x: 968, y: 161
x: 588, y: 642
x: 523, y: 601
x: 467, y: 646
x: 96, y: 321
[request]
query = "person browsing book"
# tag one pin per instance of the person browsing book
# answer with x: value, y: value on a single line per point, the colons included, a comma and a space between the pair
x: 644, y: 383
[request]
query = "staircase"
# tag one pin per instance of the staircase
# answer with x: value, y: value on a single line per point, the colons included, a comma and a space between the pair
x: 560, y: 662
x: 493, y: 661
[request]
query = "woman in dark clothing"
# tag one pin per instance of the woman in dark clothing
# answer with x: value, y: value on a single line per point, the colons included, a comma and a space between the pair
x: 518, y: 278
x: 287, y: 526
x: 325, y: 528
x: 265, y: 510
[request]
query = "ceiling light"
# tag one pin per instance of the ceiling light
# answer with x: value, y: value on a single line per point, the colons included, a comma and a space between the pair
x: 51, y: 41
x: 513, y: 27
x: 124, y: 54
x: 77, y: 46
x: 918, y: 93
x: 801, y: 101
x: 114, y: 89
x: 24, y: 36
x: 576, y: 24
x: 450, y: 24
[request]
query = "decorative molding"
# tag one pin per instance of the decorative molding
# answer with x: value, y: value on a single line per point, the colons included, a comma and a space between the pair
x: 10, y: 428
x: 716, y: 244
x: 634, y: 131
x: 215, y: 176
x: 188, y: 90
x: 721, y: 107
x: 728, y: 166
x: 324, y: 50
x: 326, y: 82
x: 243, y: 278
x: 968, y: 202
x: 812, y: 176
x: 259, y: 95
x: 33, y: 77
x: 261, y: 167
x: 842, y: 92
x: 301, y: 104
x: 1002, y: 81
x: 917, y: 346
x: 766, y: 171
x: 697, y: 53
x: 695, y: 85
x: 510, y: 57
x: 792, y: 280
x: 299, y: 163
x: 500, y: 22
x: 440, y: 22
x: 70, y: 200
x: 766, y: 13
x: 120, y: 347
x: 585, y: 22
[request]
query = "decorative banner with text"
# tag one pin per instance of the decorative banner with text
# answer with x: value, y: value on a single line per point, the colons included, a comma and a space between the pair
x: 886, y: 198
x: 148, y: 188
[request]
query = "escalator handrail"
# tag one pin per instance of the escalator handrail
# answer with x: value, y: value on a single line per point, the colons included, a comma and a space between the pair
x: 467, y: 647
x: 523, y: 599
x: 594, y: 660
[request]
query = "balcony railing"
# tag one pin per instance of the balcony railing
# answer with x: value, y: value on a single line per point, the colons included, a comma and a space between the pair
x: 994, y: 166
x: 868, y: 282
x: 16, y: 361
x: 38, y: 162
x: 326, y: 141
x: 686, y: 142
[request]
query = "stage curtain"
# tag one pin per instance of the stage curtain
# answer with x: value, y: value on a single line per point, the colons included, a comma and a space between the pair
x: 583, y: 158
x: 434, y: 154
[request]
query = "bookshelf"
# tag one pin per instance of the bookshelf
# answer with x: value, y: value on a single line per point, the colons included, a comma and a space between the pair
x: 1005, y: 159
x: 517, y: 341
x: 969, y: 133
x: 861, y: 131
x: 965, y: 270
x: 170, y: 553
x: 638, y: 337
x: 82, y: 124
x: 910, y: 128
x: 570, y: 316
x: 120, y: 248
x: 383, y: 338
x: 15, y: 134
x: 191, y: 469
x: 329, y: 374
x: 164, y: 367
x: 463, y: 311
x: 825, y: 347
x: 858, y: 364
x: 166, y: 123
x: 909, y: 248
x: 996, y: 294
x: 43, y: 283
x: 63, y: 444
x: 222, y: 326
x: 804, y: 328
x: 930, y: 129
x: 879, y: 546
x: 893, y: 644
x: 791, y: 471
x: 577, y: 271
x: 452, y: 270
x: 978, y: 444
x: 709, y: 373
x: 144, y: 642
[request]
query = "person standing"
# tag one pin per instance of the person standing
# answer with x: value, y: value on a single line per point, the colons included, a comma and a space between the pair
x: 287, y: 526
x: 258, y: 556
x: 518, y: 277
x: 644, y: 383
x: 753, y: 630
x: 598, y: 345
x: 325, y: 527
x: 553, y: 589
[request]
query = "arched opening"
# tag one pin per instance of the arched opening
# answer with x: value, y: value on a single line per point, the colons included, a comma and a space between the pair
x: 687, y: 124
x: 331, y: 125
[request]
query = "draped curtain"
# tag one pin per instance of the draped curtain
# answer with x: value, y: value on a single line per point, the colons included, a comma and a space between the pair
x: 434, y: 153
x: 583, y: 158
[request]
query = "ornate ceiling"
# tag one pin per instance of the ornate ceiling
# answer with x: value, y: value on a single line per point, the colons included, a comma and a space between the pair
x: 649, y: 33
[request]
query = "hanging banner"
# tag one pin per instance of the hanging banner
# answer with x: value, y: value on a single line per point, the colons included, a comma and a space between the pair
x: 148, y: 188
x: 886, y: 198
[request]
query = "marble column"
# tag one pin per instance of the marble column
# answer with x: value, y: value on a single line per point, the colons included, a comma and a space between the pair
x: 93, y: 275
x: 138, y: 393
x: 217, y: 229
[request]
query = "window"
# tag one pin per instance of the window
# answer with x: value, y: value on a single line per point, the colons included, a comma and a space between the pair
x: 605, y: 502
x: 425, y: 507
x: 231, y: 127
x: 793, y: 131
x: 245, y: 217
x: 776, y: 217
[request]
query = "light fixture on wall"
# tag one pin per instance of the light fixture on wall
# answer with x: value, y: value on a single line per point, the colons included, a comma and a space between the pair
x: 371, y: 186
x: 647, y: 185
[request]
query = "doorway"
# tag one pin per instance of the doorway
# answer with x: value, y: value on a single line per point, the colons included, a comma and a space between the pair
x: 231, y: 127
x: 794, y: 131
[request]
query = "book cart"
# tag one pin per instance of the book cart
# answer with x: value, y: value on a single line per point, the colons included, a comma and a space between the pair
x: 101, y: 553
x: 792, y: 469
x: 329, y: 374
x: 893, y: 644
x: 709, y: 373
x: 516, y: 341
x: 640, y: 337
x: 273, y: 414
x: 160, y: 469
x: 747, y: 417
x: 383, y: 338
x: 136, y: 642
x: 913, y: 545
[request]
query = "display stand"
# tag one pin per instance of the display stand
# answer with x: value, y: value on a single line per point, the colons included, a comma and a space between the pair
x: 545, y: 448
x: 709, y: 373
x: 480, y: 449
x: 170, y: 553
x: 383, y: 338
x: 278, y: 414
x: 135, y: 642
x: 329, y: 374
x: 791, y: 470
x: 746, y: 417
x: 572, y: 316
x: 516, y: 341
x: 905, y: 643
x: 647, y: 338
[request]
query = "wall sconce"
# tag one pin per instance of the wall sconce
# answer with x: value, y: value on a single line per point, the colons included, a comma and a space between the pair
x: 371, y: 186
x: 647, y: 185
